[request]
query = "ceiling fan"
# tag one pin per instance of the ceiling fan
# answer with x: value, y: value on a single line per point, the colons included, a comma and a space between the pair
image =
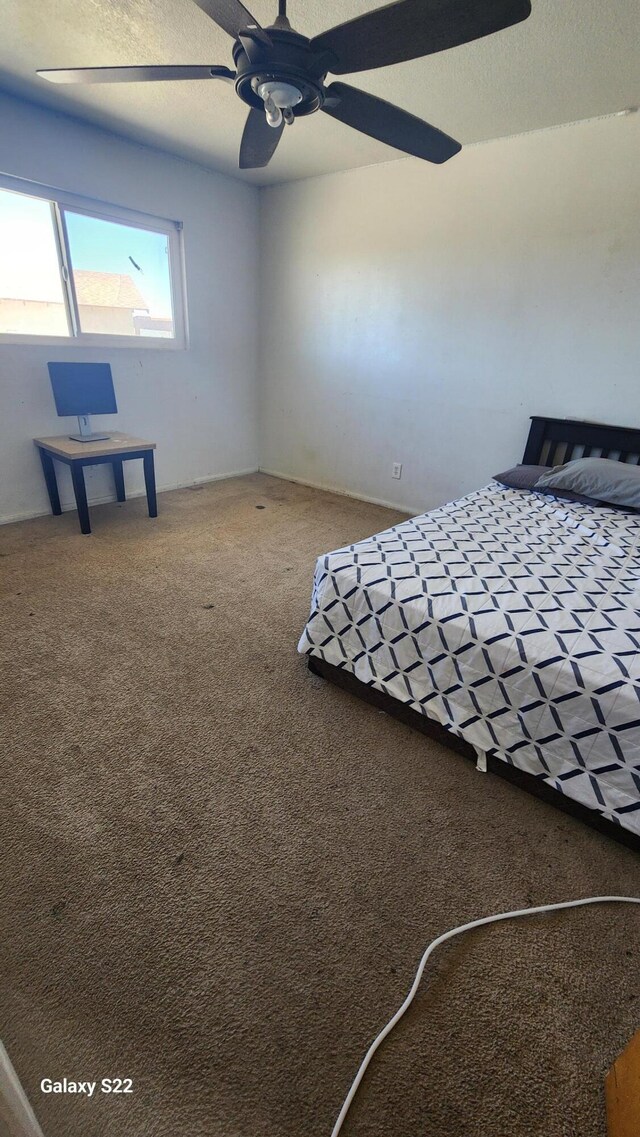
x: 281, y: 74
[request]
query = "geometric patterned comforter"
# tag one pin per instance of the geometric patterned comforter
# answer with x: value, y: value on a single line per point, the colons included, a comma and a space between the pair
x: 511, y: 618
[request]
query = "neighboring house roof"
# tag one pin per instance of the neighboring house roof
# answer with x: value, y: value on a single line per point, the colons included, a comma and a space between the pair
x: 107, y: 290
x: 93, y: 289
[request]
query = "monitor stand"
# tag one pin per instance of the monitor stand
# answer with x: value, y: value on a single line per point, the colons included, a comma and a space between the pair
x: 86, y: 434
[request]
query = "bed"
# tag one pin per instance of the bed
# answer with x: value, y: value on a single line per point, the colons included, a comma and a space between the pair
x: 507, y: 625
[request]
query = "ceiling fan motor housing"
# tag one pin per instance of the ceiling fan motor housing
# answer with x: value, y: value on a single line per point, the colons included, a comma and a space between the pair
x: 287, y: 60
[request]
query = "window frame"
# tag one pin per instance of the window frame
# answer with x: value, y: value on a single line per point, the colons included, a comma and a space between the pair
x: 61, y: 201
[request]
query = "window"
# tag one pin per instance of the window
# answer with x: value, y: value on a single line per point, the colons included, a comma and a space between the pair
x: 91, y: 275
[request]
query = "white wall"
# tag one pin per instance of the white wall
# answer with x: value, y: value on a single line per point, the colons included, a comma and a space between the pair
x: 420, y: 314
x: 199, y: 405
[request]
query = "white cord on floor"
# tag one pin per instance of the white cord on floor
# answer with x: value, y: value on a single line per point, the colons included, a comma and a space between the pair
x: 436, y: 943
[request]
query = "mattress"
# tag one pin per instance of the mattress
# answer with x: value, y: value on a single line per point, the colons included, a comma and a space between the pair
x: 511, y: 618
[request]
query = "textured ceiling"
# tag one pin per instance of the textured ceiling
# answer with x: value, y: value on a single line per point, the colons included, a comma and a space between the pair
x: 572, y: 59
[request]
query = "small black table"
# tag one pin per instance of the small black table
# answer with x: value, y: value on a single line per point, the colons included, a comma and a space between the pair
x: 116, y: 449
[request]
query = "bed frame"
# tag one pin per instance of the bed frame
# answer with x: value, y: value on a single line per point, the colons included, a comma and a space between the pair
x: 551, y: 442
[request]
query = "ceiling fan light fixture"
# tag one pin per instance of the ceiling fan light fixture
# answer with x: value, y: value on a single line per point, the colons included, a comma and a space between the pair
x: 273, y: 113
x: 281, y: 93
x: 278, y: 97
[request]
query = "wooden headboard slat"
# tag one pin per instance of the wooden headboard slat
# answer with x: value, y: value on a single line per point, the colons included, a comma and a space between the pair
x: 553, y: 437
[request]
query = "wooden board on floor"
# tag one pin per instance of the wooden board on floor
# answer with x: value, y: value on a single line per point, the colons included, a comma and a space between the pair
x: 622, y: 1088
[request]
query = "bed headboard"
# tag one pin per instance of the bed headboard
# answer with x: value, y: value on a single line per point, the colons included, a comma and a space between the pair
x: 553, y: 441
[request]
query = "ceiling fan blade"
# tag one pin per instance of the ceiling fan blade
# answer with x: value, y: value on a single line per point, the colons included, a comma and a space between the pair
x: 409, y: 29
x: 259, y: 141
x: 389, y: 124
x: 231, y: 16
x: 134, y: 74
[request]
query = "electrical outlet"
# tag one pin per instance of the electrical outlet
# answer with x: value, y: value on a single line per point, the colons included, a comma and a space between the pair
x: 396, y: 470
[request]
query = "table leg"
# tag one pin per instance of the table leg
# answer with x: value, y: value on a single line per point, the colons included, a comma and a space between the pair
x: 77, y: 477
x: 118, y: 477
x: 150, y: 483
x: 49, y: 472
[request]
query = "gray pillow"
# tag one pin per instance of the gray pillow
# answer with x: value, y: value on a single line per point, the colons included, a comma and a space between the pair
x: 528, y: 478
x: 521, y: 477
x: 601, y: 479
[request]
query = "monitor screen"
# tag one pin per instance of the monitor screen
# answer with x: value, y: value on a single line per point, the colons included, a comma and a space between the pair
x: 83, y: 388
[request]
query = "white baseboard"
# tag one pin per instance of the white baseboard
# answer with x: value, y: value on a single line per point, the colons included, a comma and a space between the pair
x: 404, y: 508
x: 69, y: 506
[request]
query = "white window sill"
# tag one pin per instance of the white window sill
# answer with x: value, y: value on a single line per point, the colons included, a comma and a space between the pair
x: 134, y: 343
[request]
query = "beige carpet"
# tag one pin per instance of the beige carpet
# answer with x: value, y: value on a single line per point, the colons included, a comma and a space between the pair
x: 220, y: 871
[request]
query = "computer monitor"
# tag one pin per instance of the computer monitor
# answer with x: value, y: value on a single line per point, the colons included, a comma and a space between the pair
x: 83, y: 389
